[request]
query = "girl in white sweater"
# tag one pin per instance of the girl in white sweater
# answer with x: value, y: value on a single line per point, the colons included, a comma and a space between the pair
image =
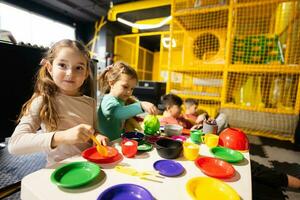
x: 58, y: 107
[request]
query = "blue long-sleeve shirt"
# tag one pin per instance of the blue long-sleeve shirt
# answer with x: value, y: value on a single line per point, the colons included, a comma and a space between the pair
x: 112, y: 114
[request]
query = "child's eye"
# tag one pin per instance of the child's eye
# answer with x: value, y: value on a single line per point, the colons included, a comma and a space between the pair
x: 62, y: 65
x: 79, y: 68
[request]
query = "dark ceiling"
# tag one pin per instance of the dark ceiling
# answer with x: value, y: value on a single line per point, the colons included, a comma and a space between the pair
x: 88, y: 11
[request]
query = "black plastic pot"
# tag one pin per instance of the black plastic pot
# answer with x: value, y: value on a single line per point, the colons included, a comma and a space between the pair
x: 168, y: 148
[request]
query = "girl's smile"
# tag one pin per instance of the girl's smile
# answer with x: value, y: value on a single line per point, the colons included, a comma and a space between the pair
x: 69, y: 71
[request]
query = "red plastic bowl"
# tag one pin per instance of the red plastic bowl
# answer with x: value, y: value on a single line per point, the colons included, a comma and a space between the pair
x: 234, y: 138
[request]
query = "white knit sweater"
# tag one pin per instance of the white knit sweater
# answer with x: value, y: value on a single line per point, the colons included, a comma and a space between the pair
x: 71, y: 111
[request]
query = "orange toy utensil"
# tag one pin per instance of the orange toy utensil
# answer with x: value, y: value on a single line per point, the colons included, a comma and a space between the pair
x: 101, y: 149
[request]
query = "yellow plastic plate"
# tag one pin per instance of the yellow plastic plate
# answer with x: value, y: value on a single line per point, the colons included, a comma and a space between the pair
x: 206, y: 188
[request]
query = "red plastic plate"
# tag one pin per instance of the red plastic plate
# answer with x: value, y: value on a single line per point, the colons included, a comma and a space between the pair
x: 92, y: 155
x: 186, y: 131
x: 215, y: 167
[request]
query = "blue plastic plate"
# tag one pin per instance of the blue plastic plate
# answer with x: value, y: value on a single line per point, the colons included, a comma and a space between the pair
x: 126, y: 192
x: 168, y: 167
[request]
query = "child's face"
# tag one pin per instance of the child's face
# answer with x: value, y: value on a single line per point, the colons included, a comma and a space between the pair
x: 174, y: 111
x: 68, y: 71
x: 123, y: 87
x: 192, y: 109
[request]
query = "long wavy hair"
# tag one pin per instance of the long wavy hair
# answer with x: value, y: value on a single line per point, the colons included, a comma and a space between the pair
x: 113, y: 73
x: 47, y: 89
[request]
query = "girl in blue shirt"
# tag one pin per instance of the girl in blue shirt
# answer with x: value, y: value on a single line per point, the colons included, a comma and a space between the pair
x: 116, y: 84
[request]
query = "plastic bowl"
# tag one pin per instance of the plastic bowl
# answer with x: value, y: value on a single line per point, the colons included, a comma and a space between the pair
x: 173, y: 129
x: 234, y: 138
x: 168, y: 148
x: 179, y: 138
x: 133, y: 135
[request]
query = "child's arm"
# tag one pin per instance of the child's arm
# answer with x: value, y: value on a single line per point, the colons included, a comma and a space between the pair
x: 78, y: 134
x: 126, y: 112
x: 112, y: 108
x: 200, y: 119
x: 25, y: 139
x: 149, y: 108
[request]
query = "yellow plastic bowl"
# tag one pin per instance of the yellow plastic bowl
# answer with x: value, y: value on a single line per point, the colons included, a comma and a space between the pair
x: 206, y: 188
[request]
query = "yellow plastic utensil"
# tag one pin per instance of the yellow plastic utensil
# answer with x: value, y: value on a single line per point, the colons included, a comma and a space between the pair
x: 141, y: 174
x: 101, y: 149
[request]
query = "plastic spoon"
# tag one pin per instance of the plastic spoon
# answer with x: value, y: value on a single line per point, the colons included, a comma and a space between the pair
x: 101, y: 149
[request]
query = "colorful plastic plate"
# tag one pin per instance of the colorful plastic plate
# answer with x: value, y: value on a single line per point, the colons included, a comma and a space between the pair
x: 92, y: 155
x: 227, y: 154
x: 168, y: 167
x: 179, y: 137
x: 75, y: 174
x: 144, y: 146
x: 186, y: 131
x: 215, y: 167
x: 116, y: 158
x: 133, y: 135
x: 210, y: 188
x: 152, y: 139
x: 126, y: 192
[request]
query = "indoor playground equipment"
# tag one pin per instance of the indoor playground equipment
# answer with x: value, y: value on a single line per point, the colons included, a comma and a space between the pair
x: 240, y: 57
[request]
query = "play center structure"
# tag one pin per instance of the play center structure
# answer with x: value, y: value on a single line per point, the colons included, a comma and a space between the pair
x: 239, y: 57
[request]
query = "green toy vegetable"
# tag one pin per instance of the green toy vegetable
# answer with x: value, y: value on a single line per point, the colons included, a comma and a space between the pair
x: 151, y: 125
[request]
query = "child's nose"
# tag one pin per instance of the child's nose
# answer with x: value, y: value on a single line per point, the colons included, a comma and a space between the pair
x: 69, y: 72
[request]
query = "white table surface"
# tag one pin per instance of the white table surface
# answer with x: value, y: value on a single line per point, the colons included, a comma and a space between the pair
x: 37, y: 186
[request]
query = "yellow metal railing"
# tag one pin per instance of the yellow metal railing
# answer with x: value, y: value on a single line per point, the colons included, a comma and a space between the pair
x: 127, y: 48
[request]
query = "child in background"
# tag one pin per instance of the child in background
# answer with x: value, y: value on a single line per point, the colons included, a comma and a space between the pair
x: 116, y: 84
x: 172, y: 111
x: 197, y: 117
x: 58, y: 107
x: 192, y: 113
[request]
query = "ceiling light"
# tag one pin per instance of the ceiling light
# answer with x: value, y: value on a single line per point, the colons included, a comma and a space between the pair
x: 144, y: 26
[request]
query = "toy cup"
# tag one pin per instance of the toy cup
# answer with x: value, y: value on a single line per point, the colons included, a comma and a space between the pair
x: 190, y: 150
x: 129, y: 148
x: 211, y: 140
x: 196, y: 136
x: 210, y: 127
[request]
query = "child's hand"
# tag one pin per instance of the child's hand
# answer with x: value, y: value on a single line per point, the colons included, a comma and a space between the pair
x: 149, y: 108
x: 197, y: 127
x: 78, y: 134
x: 102, y: 139
x: 201, y: 118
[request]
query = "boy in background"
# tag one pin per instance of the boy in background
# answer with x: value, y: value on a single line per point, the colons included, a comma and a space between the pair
x: 192, y: 113
x: 197, y: 117
x: 172, y: 111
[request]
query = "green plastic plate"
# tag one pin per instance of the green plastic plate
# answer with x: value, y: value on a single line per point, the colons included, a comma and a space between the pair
x: 144, y: 146
x: 75, y: 174
x: 227, y: 154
